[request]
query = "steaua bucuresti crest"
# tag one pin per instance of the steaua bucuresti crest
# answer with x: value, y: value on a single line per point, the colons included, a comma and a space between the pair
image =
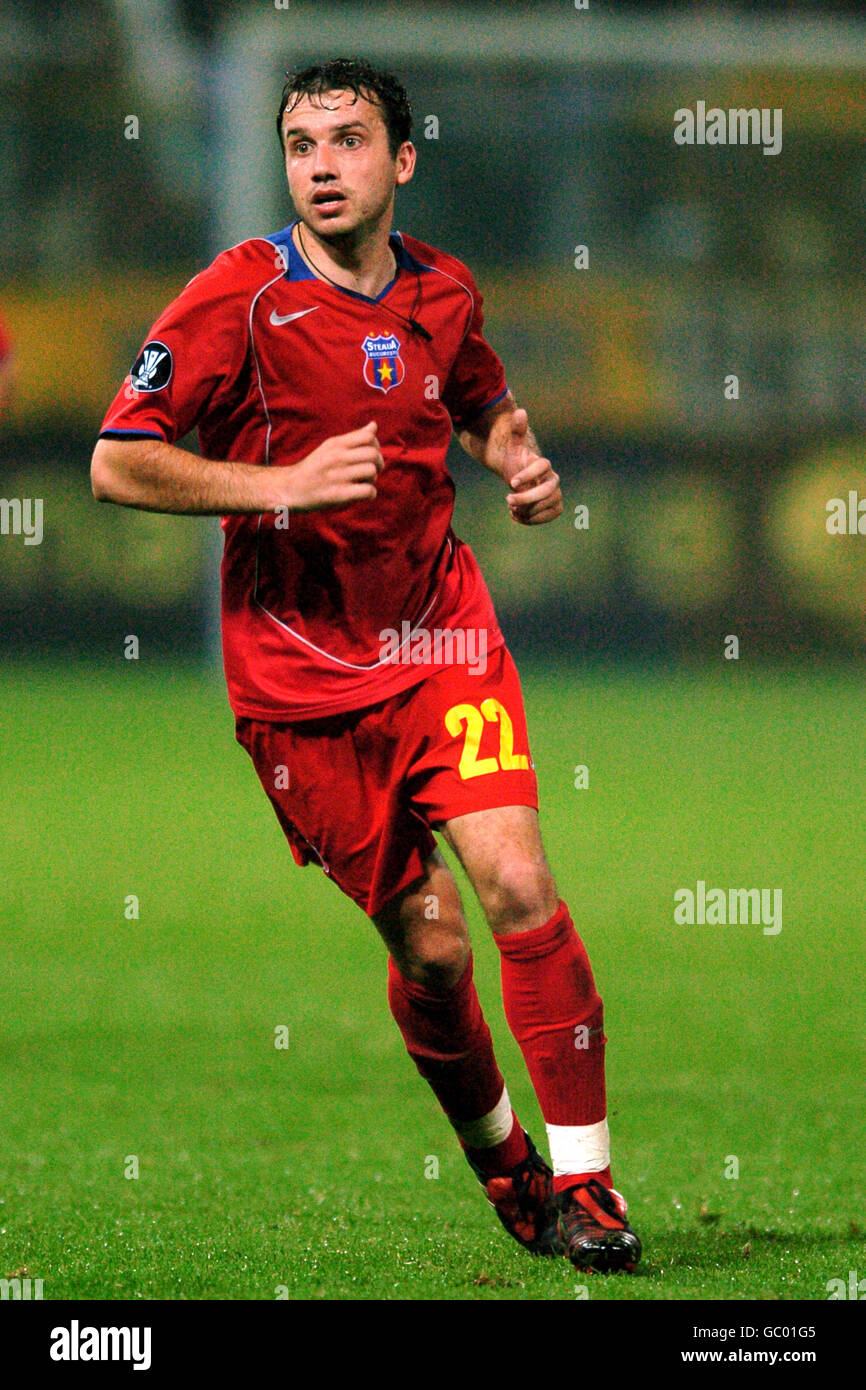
x: 383, y: 365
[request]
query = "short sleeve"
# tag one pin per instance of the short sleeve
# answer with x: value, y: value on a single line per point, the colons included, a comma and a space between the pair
x: 194, y: 354
x: 477, y: 377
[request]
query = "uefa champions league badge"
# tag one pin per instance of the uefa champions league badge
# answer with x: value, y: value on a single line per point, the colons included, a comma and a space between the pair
x: 383, y: 365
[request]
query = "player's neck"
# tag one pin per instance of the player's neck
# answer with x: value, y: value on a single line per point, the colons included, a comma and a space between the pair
x: 366, y: 268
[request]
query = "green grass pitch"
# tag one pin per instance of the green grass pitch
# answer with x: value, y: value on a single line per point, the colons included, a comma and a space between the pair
x: 301, y: 1171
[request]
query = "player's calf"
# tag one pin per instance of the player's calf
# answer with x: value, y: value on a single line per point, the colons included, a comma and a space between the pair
x: 425, y: 929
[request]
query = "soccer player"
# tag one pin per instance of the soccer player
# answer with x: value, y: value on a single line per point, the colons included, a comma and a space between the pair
x: 325, y: 367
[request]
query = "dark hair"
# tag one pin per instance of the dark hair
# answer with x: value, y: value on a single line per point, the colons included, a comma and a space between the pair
x: 358, y: 76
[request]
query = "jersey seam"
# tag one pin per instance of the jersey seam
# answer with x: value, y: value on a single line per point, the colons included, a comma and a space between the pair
x: 439, y: 271
x: 320, y: 651
x: 243, y: 709
x: 453, y: 278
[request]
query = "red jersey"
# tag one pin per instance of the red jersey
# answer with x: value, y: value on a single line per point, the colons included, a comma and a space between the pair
x: 268, y: 361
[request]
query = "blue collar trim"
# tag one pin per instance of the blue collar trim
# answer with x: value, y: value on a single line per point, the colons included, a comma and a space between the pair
x: 299, y: 270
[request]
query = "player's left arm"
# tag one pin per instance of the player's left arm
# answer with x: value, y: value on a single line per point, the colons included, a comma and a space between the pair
x: 500, y: 438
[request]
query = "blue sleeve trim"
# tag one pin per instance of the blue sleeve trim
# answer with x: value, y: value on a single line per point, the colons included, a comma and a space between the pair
x: 132, y: 434
x: 463, y: 419
x: 495, y: 401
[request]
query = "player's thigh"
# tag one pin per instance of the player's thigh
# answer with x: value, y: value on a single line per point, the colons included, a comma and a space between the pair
x: 474, y: 778
x: 424, y: 927
x: 503, y: 855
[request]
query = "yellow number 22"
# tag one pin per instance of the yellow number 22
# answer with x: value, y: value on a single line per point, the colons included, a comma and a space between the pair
x: 473, y: 718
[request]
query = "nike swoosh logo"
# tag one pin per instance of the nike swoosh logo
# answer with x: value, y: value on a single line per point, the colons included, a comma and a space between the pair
x: 277, y: 319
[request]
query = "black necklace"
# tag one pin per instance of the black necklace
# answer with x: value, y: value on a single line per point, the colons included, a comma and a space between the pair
x: 411, y: 320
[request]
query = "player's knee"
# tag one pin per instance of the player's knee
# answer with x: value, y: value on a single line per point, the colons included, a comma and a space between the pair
x: 521, y: 895
x: 437, y: 963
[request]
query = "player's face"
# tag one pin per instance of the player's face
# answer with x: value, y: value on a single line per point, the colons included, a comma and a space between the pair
x: 341, y: 172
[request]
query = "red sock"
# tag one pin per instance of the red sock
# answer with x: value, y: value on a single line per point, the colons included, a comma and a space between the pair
x: 449, y: 1041
x: 549, y: 993
x: 565, y: 1180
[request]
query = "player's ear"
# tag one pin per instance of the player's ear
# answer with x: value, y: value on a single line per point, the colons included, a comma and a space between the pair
x: 407, y: 156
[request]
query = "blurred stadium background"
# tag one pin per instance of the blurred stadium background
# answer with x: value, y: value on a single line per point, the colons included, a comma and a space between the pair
x: 707, y: 515
x: 154, y: 1037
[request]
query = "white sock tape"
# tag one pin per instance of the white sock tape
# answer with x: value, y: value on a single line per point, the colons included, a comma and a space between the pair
x: 579, y: 1148
x: 492, y: 1128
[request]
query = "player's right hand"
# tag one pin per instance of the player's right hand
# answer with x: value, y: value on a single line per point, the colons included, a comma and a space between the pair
x: 343, y: 469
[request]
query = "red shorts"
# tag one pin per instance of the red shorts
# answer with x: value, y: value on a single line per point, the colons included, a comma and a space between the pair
x: 358, y: 792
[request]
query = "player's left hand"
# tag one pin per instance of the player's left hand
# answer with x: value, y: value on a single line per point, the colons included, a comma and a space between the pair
x: 536, y: 496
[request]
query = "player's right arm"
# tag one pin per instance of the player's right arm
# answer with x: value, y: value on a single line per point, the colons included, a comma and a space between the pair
x: 196, y: 364
x: 159, y: 477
